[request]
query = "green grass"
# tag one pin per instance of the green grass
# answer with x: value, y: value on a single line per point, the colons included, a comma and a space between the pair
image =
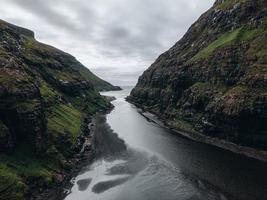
x: 38, y: 54
x: 92, y: 103
x: 204, y: 86
x: 183, y: 124
x: 48, y: 93
x: 229, y: 3
x: 22, y: 167
x: 225, y: 4
x: 64, y: 119
x: 259, y: 48
x: 15, y: 81
x: 31, y: 43
x: 12, y: 186
x: 26, y: 166
x: 33, y: 51
x: 66, y: 75
x: 250, y: 34
x: 221, y: 41
x: 239, y: 35
x: 244, y: 97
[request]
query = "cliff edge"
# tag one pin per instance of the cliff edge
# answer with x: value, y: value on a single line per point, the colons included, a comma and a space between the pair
x: 47, y: 99
x: 213, y: 81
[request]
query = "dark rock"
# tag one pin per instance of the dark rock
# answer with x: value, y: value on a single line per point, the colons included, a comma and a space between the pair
x: 83, y: 184
x: 44, y: 95
x: 215, y: 77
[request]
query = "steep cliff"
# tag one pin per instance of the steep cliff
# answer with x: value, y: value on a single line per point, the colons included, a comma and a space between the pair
x: 214, y: 80
x: 46, y: 98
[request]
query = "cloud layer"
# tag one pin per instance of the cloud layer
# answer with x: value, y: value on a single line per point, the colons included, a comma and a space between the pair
x: 116, y: 39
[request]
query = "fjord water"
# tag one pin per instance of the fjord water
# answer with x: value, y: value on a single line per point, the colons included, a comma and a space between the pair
x: 141, y: 160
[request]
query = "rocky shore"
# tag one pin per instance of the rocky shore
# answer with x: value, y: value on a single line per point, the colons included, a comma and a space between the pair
x: 85, y: 154
x: 47, y: 98
x: 196, y: 136
x: 212, y: 82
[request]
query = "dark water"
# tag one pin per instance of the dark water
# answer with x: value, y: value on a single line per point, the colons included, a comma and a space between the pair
x: 140, y: 160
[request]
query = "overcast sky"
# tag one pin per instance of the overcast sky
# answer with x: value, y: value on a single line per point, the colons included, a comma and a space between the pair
x: 116, y: 39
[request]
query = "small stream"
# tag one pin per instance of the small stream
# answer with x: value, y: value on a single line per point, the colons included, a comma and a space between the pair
x: 141, y: 160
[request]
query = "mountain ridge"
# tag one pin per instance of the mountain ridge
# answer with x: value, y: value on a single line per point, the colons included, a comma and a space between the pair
x: 213, y: 80
x: 47, y: 100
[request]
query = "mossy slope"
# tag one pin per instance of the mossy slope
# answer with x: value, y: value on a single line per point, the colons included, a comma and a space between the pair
x: 46, y: 95
x: 213, y: 80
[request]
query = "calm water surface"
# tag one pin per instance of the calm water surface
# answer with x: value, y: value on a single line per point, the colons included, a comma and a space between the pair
x: 143, y: 161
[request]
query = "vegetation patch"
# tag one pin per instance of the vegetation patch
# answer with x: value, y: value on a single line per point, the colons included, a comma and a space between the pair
x: 237, y: 90
x: 28, y: 105
x: 259, y: 48
x: 239, y: 35
x: 11, y: 185
x: 5, y: 77
x: 47, y: 92
x: 183, y: 124
x: 244, y: 96
x: 223, y: 40
x: 22, y: 167
x: 201, y: 85
x: 247, y: 34
x: 64, y: 118
x: 67, y: 76
x: 38, y: 54
x: 229, y: 3
x: 31, y: 43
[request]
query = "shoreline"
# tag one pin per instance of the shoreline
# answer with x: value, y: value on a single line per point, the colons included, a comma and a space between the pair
x: 87, y: 154
x: 249, y: 152
x: 60, y: 188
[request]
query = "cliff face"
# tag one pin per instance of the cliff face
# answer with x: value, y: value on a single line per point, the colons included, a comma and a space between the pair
x: 214, y: 80
x: 46, y: 96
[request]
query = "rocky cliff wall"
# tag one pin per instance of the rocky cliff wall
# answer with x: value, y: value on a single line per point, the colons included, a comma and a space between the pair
x: 46, y: 100
x: 214, y: 80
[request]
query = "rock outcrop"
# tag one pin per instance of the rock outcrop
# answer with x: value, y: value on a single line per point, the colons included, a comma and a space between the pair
x: 46, y: 96
x: 214, y: 80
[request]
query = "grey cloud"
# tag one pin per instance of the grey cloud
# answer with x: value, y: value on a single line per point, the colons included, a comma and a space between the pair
x: 44, y: 10
x: 118, y: 34
x: 118, y: 77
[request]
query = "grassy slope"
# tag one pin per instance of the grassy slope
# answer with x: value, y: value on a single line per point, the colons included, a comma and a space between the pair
x: 237, y: 36
x: 84, y: 72
x: 255, y: 38
x: 23, y: 166
x: 229, y: 3
x: 23, y: 169
x: 241, y: 34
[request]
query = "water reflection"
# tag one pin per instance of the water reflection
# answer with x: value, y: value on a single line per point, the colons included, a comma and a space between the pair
x: 123, y: 172
x: 140, y: 160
